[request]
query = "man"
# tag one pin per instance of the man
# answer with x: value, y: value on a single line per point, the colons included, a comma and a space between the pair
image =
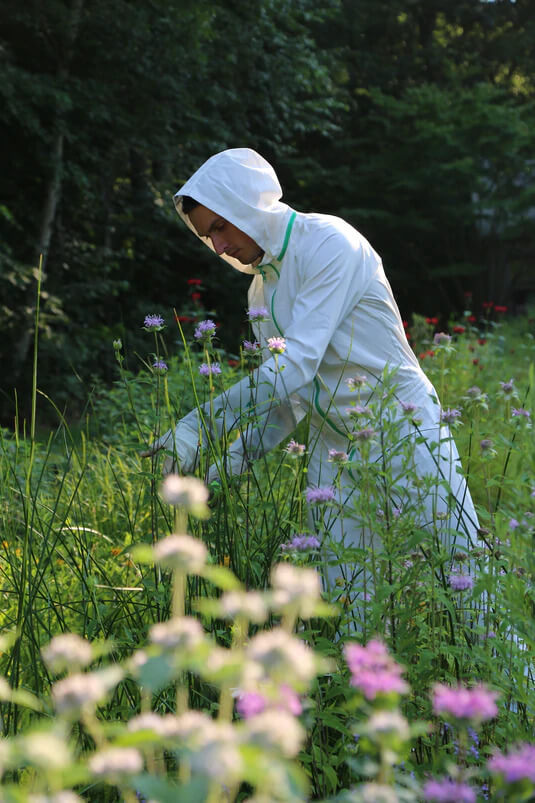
x: 326, y: 294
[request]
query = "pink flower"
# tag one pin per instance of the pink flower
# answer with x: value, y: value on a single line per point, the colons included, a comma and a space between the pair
x: 448, y: 791
x: 206, y: 370
x: 315, y: 496
x: 461, y: 582
x: 277, y: 345
x: 373, y: 670
x: 250, y: 703
x: 477, y: 704
x: 516, y: 766
x: 257, y: 314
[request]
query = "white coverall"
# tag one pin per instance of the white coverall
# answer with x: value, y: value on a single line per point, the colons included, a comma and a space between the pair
x: 327, y: 294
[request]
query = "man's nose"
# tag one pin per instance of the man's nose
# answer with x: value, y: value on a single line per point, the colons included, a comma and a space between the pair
x: 220, y: 244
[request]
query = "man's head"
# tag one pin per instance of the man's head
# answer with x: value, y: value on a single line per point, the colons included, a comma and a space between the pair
x: 226, y: 238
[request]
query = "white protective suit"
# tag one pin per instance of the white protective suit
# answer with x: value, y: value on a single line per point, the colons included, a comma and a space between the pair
x: 327, y: 294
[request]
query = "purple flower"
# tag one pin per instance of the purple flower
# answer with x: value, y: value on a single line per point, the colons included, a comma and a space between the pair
x: 476, y: 704
x: 277, y: 345
x: 507, y: 387
x: 473, y: 392
x: 461, y: 582
x: 442, y: 339
x: 250, y: 703
x: 205, y: 369
x: 450, y: 415
x: 373, y: 670
x: 516, y: 766
x: 205, y: 330
x: 315, y: 496
x: 251, y: 347
x: 160, y: 366
x: 519, y: 411
x: 513, y: 524
x: 486, y: 444
x: 357, y: 381
x: 257, y: 314
x: 337, y: 457
x: 301, y: 543
x: 153, y: 322
x: 358, y: 410
x: 448, y: 791
x: 295, y: 449
x: 409, y: 408
x: 365, y: 434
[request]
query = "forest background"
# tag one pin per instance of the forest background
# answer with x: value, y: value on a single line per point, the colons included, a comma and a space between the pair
x: 412, y: 119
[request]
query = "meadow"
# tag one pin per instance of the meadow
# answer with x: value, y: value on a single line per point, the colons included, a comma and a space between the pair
x: 173, y: 642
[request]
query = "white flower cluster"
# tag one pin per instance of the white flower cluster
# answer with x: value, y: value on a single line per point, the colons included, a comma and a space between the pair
x: 67, y: 652
x: 184, y: 633
x: 295, y: 588
x: 181, y: 552
x: 188, y: 492
x: 80, y: 691
x: 116, y: 762
x: 281, y: 658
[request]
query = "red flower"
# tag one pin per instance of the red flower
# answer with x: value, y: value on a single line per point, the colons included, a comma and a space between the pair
x: 195, y: 296
x: 459, y: 330
x: 195, y: 281
x: 434, y: 321
x: 488, y: 304
x: 405, y: 324
x: 233, y: 363
x: 482, y: 341
x: 499, y: 308
x: 472, y: 318
x: 475, y: 361
x: 184, y: 318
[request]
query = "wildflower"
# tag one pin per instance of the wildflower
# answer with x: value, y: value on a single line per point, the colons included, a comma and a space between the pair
x: 472, y: 319
x: 513, y: 524
x: 356, y: 382
x: 459, y: 330
x: 358, y: 410
x: 251, y: 347
x: 277, y: 345
x: 461, y: 582
x: 383, y: 722
x: 183, y: 632
x: 82, y: 691
x: 474, y: 392
x: 409, y: 408
x: 450, y: 415
x: 149, y: 721
x: 295, y: 449
x: 160, y: 367
x: 153, y: 323
x: 218, y: 755
x: 181, y: 552
x: 486, y: 444
x: 209, y: 369
x: 276, y: 731
x: 373, y: 670
x: 500, y: 308
x: 337, y: 457
x: 250, y: 703
x: 315, y: 496
x: 433, y: 321
x: 205, y: 330
x: 376, y: 792
x: 188, y: 492
x: 488, y: 304
x: 507, y: 387
x: 117, y: 344
x: 194, y: 282
x: 115, y: 762
x: 301, y: 543
x: 196, y: 296
x: 295, y: 588
x: 442, y: 339
x: 67, y: 651
x: 249, y: 604
x: 281, y: 658
x: 518, y: 765
x: 448, y: 791
x: 257, y: 314
x: 365, y: 434
x: 46, y: 750
x: 520, y: 412
x: 476, y: 704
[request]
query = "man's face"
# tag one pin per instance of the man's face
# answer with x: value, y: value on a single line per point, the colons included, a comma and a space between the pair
x: 226, y: 238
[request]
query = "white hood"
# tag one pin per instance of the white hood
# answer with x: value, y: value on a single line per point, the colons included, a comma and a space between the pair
x: 242, y: 187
